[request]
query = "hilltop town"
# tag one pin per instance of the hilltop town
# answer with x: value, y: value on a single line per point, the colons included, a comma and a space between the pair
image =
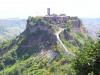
x: 59, y: 20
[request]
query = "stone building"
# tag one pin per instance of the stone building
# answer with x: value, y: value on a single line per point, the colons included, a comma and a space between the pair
x: 58, y: 19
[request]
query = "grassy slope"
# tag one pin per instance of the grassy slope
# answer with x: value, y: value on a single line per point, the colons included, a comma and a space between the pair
x: 35, y: 64
x: 39, y: 66
x: 78, y: 36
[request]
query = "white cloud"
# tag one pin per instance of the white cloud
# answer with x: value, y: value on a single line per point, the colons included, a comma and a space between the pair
x: 25, y: 8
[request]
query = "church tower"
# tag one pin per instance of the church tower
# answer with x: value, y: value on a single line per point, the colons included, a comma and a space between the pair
x: 48, y: 11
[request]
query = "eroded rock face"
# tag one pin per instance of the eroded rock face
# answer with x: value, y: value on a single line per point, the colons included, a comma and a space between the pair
x: 71, y: 39
x: 38, y: 37
x: 41, y: 38
x: 67, y: 36
x: 40, y: 27
x: 51, y: 54
x: 39, y: 34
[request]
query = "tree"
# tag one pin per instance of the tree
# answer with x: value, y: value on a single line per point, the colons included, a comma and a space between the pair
x: 1, y: 66
x: 88, y: 60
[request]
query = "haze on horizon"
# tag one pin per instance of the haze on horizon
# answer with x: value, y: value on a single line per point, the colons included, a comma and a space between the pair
x: 25, y: 8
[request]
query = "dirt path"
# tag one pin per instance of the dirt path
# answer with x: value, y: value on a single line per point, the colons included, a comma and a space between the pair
x: 58, y: 38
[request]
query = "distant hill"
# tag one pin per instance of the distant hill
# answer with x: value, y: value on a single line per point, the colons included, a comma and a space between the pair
x: 92, y: 26
x: 13, y: 22
x: 91, y: 21
x: 10, y: 28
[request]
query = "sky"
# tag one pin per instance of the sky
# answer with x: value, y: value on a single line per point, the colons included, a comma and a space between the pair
x: 25, y: 8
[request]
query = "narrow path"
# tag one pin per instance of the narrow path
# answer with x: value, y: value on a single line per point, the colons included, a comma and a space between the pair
x: 57, y: 35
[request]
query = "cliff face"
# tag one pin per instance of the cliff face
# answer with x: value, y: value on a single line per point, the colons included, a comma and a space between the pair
x: 41, y: 33
x: 37, y: 36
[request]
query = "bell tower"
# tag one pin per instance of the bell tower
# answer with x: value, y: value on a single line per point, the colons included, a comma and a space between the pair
x: 48, y: 11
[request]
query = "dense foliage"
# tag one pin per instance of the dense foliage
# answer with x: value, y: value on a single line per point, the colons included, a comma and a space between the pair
x: 88, y: 60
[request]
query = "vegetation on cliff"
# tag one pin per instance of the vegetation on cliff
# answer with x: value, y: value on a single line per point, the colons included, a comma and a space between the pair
x: 37, y: 51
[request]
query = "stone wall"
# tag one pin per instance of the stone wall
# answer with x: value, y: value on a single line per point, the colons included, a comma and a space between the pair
x: 57, y: 19
x: 60, y: 21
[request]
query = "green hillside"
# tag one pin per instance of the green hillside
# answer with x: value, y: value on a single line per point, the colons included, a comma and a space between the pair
x: 37, y: 51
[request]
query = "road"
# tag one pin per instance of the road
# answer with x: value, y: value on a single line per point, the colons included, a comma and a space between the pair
x: 58, y: 38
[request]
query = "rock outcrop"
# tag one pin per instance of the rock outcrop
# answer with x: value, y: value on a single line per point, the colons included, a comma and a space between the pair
x: 37, y: 36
